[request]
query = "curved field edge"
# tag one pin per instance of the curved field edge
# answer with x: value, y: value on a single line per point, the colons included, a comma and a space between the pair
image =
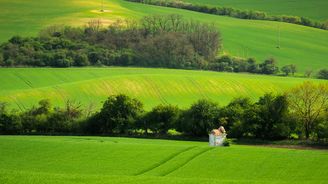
x: 315, y: 9
x: 71, y: 159
x: 23, y: 87
x: 306, y: 47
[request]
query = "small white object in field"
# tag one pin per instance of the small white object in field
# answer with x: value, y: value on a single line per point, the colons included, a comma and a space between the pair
x: 217, y: 136
x: 216, y: 140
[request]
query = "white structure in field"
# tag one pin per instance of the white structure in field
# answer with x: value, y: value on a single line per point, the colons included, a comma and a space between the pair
x: 216, y: 140
x: 217, y: 136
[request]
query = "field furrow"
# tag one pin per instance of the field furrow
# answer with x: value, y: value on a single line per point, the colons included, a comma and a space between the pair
x: 151, y: 86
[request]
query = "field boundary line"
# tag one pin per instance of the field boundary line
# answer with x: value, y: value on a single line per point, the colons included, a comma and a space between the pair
x: 186, y: 162
x: 164, y: 161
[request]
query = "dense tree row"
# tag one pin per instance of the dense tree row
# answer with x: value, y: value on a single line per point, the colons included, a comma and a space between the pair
x: 154, y: 41
x: 303, y: 111
x: 233, y: 12
x: 236, y: 64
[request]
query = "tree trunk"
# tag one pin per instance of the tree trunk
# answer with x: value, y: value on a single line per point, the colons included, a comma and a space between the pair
x: 307, y: 130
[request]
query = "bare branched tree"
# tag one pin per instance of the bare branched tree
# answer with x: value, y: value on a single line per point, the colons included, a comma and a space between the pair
x: 308, y: 101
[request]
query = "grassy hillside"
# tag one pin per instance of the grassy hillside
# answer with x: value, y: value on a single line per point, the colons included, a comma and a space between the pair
x: 124, y: 160
x: 304, y: 46
x: 22, y: 87
x: 315, y: 9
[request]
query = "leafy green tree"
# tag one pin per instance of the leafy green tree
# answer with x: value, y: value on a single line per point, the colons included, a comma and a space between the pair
x: 323, y: 74
x: 1, y: 60
x: 64, y: 120
x: 200, y: 118
x: 267, y: 118
x: 269, y: 66
x: 119, y: 112
x: 252, y: 67
x: 81, y: 59
x: 286, y: 69
x: 322, y: 130
x: 233, y: 114
x: 9, y: 122
x: 162, y: 118
x: 293, y: 69
x: 167, y: 50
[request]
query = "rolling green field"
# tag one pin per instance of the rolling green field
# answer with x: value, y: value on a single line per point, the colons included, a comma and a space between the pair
x: 304, y: 46
x: 126, y: 160
x: 314, y: 9
x: 23, y: 87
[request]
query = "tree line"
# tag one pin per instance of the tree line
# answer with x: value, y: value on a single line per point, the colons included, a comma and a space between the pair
x: 299, y: 113
x: 233, y: 12
x: 154, y: 41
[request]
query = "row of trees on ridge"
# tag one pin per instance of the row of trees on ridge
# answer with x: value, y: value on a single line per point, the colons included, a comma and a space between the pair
x: 154, y: 41
x: 237, y: 13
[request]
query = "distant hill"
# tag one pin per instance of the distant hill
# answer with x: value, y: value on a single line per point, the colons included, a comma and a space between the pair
x: 304, y: 46
x: 313, y: 9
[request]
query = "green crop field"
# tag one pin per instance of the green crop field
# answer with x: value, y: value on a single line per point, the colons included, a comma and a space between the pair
x: 314, y: 9
x: 22, y: 87
x: 304, y: 46
x: 127, y: 160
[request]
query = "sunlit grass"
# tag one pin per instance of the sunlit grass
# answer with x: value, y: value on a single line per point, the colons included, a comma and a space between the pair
x: 23, y: 87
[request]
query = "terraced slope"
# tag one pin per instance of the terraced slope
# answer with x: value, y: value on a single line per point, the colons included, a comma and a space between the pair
x: 123, y: 160
x: 304, y: 46
x: 314, y: 9
x: 22, y: 87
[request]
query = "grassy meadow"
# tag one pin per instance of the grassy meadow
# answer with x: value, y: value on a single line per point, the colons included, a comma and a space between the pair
x: 315, y: 9
x: 127, y: 160
x: 304, y: 46
x: 23, y: 87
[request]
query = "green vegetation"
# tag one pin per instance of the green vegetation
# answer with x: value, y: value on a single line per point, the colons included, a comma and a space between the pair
x: 303, y: 46
x: 177, y: 43
x: 301, y: 112
x: 127, y: 160
x: 315, y: 9
x: 323, y: 74
x: 232, y: 12
x: 23, y: 87
x: 162, y: 103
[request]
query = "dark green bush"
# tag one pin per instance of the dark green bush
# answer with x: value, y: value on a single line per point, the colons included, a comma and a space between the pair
x: 226, y: 143
x: 323, y: 74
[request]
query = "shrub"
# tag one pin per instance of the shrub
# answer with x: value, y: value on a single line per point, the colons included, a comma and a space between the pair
x: 162, y: 118
x: 226, y: 143
x: 267, y: 118
x: 119, y: 112
x: 323, y: 74
x: 269, y: 66
x: 322, y: 130
x: 200, y: 118
x: 9, y: 122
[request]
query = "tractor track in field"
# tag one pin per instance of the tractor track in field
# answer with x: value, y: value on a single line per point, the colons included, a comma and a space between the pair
x: 164, y: 161
x: 27, y: 82
x: 198, y: 86
x: 156, y: 90
x: 187, y: 161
